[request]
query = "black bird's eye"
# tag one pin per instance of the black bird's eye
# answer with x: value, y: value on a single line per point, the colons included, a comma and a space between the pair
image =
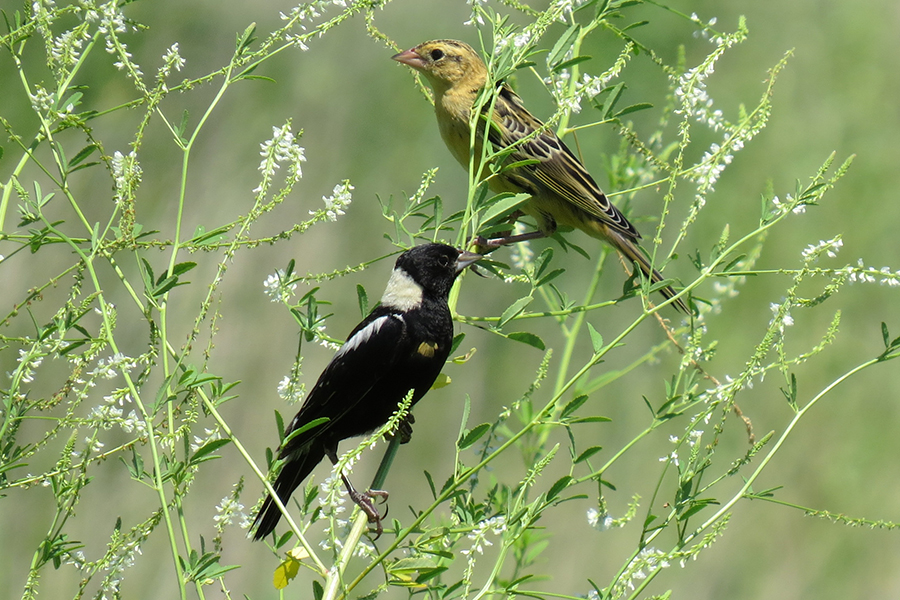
x: 437, y: 54
x: 444, y: 261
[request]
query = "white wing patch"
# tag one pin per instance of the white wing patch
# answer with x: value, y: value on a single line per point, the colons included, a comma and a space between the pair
x: 363, y: 335
x: 402, y: 292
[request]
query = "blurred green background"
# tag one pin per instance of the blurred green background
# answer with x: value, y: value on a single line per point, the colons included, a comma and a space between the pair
x: 363, y: 120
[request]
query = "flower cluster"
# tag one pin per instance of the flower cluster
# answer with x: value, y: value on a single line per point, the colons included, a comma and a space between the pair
x: 42, y: 101
x: 864, y: 274
x: 290, y: 390
x: 495, y: 525
x: 332, y: 502
x: 781, y: 314
x: 307, y: 12
x: 569, y: 95
x: 789, y: 204
x: 647, y: 562
x: 110, y: 368
x: 601, y: 521
x: 278, y: 287
x: 694, y: 102
x: 828, y: 247
x: 227, y: 510
x: 476, y: 17
x: 211, y: 434
x: 112, y: 22
x: 693, y: 439
x: 171, y: 60
x: 339, y: 200
x: 703, y: 32
x: 281, y: 148
x: 127, y: 174
x: 66, y: 48
x: 28, y: 362
x: 325, y: 340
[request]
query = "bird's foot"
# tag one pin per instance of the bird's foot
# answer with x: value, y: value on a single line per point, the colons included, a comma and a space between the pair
x: 488, y: 245
x: 404, y: 429
x: 482, y: 245
x: 365, y: 504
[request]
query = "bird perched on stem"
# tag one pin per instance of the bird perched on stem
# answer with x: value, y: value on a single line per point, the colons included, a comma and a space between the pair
x: 562, y: 191
x: 401, y: 346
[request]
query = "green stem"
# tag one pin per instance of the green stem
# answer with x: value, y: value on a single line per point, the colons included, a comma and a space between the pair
x: 360, y: 525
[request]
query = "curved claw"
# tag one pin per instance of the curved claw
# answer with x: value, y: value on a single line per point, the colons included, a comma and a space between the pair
x: 365, y: 504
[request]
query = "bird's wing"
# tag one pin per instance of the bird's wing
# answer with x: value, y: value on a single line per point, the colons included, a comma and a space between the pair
x: 558, y: 170
x: 370, y: 351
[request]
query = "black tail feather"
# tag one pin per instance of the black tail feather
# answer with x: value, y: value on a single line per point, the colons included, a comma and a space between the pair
x: 292, y: 475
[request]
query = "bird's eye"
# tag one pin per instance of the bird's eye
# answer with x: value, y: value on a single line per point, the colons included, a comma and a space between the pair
x: 437, y: 54
x: 444, y: 261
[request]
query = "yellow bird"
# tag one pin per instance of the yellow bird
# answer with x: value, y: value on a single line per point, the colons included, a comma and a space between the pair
x: 562, y: 191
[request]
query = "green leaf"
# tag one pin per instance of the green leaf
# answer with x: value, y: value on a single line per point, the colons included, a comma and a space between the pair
x: 427, y: 574
x: 527, y: 338
x: 635, y: 25
x: 549, y: 277
x: 207, y: 449
x: 431, y: 484
x: 596, y: 339
x: 573, y: 405
x: 561, y: 484
x: 203, y: 237
x: 596, y: 419
x: 74, y: 100
x: 514, y: 309
x: 457, y: 340
x: 279, y: 424
x: 191, y: 379
x: 563, y: 44
x: 570, y: 63
x: 182, y: 268
x: 470, y: 437
x: 413, y: 563
x: 182, y: 126
x: 163, y: 286
x: 587, y: 454
x: 733, y: 263
x: 885, y: 335
x: 304, y: 428
x: 614, y: 95
x: 697, y: 506
x: 503, y: 206
x: 363, y: 299
x: 633, y: 108
x: 542, y: 261
x: 82, y: 154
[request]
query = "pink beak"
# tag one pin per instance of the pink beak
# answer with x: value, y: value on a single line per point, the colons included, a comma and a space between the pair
x: 410, y: 58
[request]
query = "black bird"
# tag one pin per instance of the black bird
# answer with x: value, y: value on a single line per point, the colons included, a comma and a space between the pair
x: 401, y: 346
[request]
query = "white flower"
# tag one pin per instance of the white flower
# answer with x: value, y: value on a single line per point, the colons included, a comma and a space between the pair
x: 171, y: 60
x: 127, y: 174
x: 281, y: 148
x: 278, y: 288
x: 599, y: 521
x: 339, y: 200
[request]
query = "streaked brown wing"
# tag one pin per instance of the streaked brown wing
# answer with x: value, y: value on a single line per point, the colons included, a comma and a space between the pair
x: 558, y: 171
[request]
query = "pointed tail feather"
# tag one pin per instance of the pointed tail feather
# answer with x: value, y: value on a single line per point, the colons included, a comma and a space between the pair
x: 628, y: 248
x: 292, y: 475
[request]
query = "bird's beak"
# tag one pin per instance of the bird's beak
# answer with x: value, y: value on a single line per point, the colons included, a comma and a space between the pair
x: 466, y: 259
x: 410, y: 58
